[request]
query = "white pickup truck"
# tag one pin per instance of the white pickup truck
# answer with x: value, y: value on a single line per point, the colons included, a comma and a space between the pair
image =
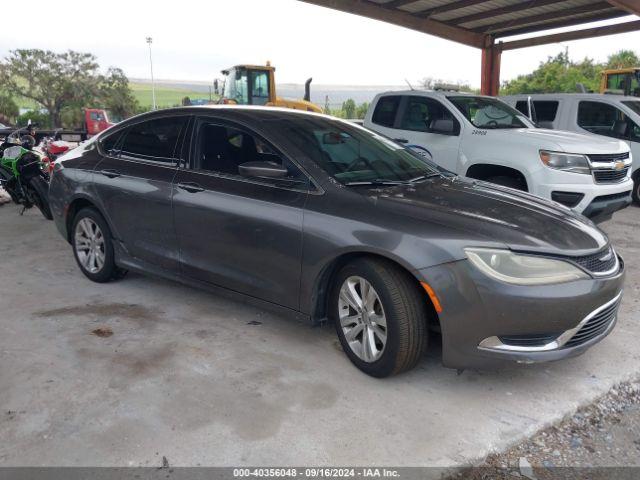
x: 614, y: 116
x: 484, y: 138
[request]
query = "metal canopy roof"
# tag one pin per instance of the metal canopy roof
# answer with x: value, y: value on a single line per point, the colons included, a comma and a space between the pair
x: 480, y: 22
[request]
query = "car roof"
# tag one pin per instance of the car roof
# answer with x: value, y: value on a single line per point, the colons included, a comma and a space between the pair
x: 264, y: 113
x: 580, y: 96
x: 430, y: 93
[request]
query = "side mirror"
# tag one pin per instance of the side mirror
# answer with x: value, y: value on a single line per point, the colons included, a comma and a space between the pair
x: 262, y: 169
x: 442, y: 126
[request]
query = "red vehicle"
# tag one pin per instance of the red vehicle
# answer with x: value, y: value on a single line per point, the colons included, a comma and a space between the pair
x: 95, y: 121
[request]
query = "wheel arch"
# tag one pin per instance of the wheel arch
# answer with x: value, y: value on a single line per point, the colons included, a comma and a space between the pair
x: 323, y: 281
x: 74, y: 207
x: 483, y: 171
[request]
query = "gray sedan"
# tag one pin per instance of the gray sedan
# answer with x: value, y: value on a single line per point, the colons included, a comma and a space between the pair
x: 324, y: 220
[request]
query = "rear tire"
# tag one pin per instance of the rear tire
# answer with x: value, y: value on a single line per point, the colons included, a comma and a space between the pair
x: 40, y: 191
x: 510, y: 182
x: 397, y: 309
x: 93, y: 246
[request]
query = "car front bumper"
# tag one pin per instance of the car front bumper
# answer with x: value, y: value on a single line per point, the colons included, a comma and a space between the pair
x: 477, y: 312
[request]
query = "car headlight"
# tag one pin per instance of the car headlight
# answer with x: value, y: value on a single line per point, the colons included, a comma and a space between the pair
x: 519, y: 269
x: 568, y: 162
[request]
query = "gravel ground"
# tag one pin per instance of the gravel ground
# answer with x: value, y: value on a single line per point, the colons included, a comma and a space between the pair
x: 599, y: 441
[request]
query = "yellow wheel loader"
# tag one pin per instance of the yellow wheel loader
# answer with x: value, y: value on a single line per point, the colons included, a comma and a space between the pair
x: 256, y: 85
x: 623, y: 81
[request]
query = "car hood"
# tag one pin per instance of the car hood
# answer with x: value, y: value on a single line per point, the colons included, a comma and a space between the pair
x: 567, y: 142
x: 492, y: 214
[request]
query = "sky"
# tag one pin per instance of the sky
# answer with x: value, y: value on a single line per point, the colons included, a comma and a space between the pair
x: 195, y: 39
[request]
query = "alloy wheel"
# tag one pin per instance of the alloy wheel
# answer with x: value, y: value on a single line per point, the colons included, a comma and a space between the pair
x: 362, y: 319
x: 90, y: 247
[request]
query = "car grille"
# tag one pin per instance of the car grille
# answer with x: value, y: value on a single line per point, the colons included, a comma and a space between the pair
x: 610, y: 176
x: 595, y: 326
x: 538, y: 340
x: 608, y: 157
x: 596, y: 263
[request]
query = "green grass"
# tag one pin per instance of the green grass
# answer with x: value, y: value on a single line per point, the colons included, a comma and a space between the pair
x: 165, y: 96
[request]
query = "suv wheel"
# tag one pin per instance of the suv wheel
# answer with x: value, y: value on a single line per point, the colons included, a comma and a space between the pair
x: 93, y: 246
x: 380, y: 317
x: 636, y: 190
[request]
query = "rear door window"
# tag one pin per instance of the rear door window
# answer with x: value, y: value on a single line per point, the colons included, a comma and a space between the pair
x: 154, y: 140
x: 386, y: 111
x: 603, y: 119
x: 546, y: 110
x: 523, y: 107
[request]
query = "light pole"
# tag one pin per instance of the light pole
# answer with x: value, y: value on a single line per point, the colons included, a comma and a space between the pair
x: 153, y: 85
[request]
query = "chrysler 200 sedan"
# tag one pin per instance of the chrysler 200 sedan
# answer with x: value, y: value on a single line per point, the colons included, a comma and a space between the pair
x: 329, y: 221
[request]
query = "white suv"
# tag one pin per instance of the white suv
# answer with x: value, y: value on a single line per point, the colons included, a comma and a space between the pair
x: 482, y: 137
x: 614, y: 116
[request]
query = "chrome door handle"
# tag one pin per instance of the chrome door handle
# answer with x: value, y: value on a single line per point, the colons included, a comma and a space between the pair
x: 191, y: 187
x: 110, y: 173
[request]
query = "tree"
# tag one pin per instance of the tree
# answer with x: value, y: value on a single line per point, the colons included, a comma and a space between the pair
x: 115, y: 94
x: 560, y: 75
x: 54, y: 80
x: 349, y: 108
x: 361, y: 111
x: 623, y: 59
x: 9, y: 110
x: 556, y: 75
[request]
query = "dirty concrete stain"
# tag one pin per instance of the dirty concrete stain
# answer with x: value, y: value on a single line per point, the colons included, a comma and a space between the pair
x: 144, y: 361
x: 129, y: 311
x: 102, y: 332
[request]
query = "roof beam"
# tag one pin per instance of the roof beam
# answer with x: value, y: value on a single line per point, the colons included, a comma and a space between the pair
x: 575, y: 35
x: 448, y: 7
x: 631, y: 6
x: 567, y: 22
x: 542, y: 17
x: 404, y: 19
x: 397, y: 3
x: 500, y: 11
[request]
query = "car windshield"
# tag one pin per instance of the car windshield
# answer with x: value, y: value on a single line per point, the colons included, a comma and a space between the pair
x: 489, y: 113
x: 354, y: 155
x: 633, y: 105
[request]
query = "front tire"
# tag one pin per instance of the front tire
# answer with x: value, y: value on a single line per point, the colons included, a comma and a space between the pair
x: 636, y: 189
x: 93, y: 246
x: 380, y: 317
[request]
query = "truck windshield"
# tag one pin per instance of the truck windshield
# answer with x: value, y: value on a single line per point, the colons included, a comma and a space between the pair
x: 356, y: 156
x: 236, y: 86
x: 489, y: 113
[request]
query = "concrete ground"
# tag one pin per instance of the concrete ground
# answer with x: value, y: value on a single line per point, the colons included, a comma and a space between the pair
x: 181, y: 373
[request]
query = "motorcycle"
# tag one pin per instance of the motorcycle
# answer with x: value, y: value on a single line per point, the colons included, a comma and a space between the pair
x: 24, y: 174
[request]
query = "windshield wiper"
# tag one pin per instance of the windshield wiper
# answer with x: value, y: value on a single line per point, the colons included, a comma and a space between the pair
x: 376, y: 182
x: 424, y: 177
x: 382, y: 181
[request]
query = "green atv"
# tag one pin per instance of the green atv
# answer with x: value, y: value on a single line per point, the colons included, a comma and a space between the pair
x: 24, y: 174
